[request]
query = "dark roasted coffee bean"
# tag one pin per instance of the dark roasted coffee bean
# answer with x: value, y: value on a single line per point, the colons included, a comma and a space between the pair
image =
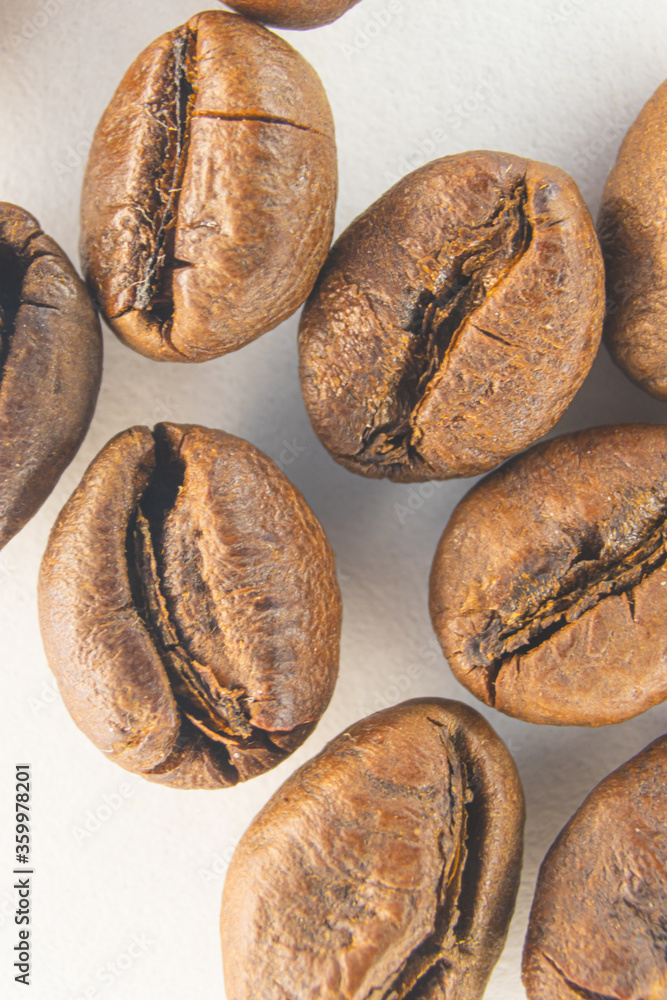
x: 549, y: 586
x: 209, y: 196
x: 50, y: 366
x: 631, y: 225
x: 189, y: 607
x: 454, y: 320
x: 293, y: 13
x: 598, y: 927
x: 386, y: 867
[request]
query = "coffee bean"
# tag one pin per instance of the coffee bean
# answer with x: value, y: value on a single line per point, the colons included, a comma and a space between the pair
x: 189, y: 607
x: 598, y: 926
x: 209, y: 195
x: 50, y: 366
x: 293, y: 13
x: 631, y: 226
x: 549, y: 585
x: 454, y: 320
x: 387, y: 866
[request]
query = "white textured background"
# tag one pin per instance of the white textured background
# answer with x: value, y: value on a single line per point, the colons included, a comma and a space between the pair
x: 129, y: 875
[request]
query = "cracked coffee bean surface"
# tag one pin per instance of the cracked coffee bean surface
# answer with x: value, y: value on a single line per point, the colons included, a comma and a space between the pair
x: 293, y: 13
x: 386, y: 868
x: 454, y: 320
x: 598, y: 926
x: 50, y: 366
x: 549, y: 585
x: 632, y: 225
x: 209, y: 196
x: 189, y: 607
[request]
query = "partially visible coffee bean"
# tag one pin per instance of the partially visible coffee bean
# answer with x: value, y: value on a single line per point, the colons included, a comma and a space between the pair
x: 50, y: 366
x: 386, y: 867
x: 598, y: 926
x: 293, y: 13
x: 189, y: 608
x: 454, y: 320
x: 633, y: 232
x: 208, y: 201
x: 549, y: 585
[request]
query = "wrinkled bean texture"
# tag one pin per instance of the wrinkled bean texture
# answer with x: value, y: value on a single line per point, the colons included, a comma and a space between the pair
x: 293, y: 13
x: 50, y: 366
x: 189, y: 608
x: 598, y: 924
x: 549, y: 585
x: 454, y: 320
x: 209, y: 195
x: 385, y: 867
x: 632, y: 225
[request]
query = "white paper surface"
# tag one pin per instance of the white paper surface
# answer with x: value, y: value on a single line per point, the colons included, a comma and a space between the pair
x: 128, y: 876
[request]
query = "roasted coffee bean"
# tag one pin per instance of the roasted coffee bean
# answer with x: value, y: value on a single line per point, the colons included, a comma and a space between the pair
x: 50, y: 366
x: 189, y: 608
x: 454, y: 320
x: 386, y: 867
x: 598, y: 926
x: 632, y: 231
x: 549, y: 586
x: 293, y: 13
x: 209, y: 196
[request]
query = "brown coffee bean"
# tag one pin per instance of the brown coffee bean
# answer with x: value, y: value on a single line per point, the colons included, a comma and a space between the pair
x: 293, y: 13
x: 598, y: 926
x: 549, y: 585
x: 454, y: 320
x: 386, y: 867
x: 633, y: 234
x: 209, y: 196
x: 189, y: 608
x: 50, y: 366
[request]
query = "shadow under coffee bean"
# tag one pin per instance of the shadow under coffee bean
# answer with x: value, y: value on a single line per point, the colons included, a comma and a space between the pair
x: 387, y: 866
x: 189, y: 608
x: 549, y: 585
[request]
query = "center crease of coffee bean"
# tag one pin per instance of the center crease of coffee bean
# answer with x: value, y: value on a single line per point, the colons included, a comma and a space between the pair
x: 14, y: 263
x: 154, y: 289
x: 10, y: 299
x: 459, y: 277
x: 220, y: 713
x: 455, y: 891
x: 589, y: 579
